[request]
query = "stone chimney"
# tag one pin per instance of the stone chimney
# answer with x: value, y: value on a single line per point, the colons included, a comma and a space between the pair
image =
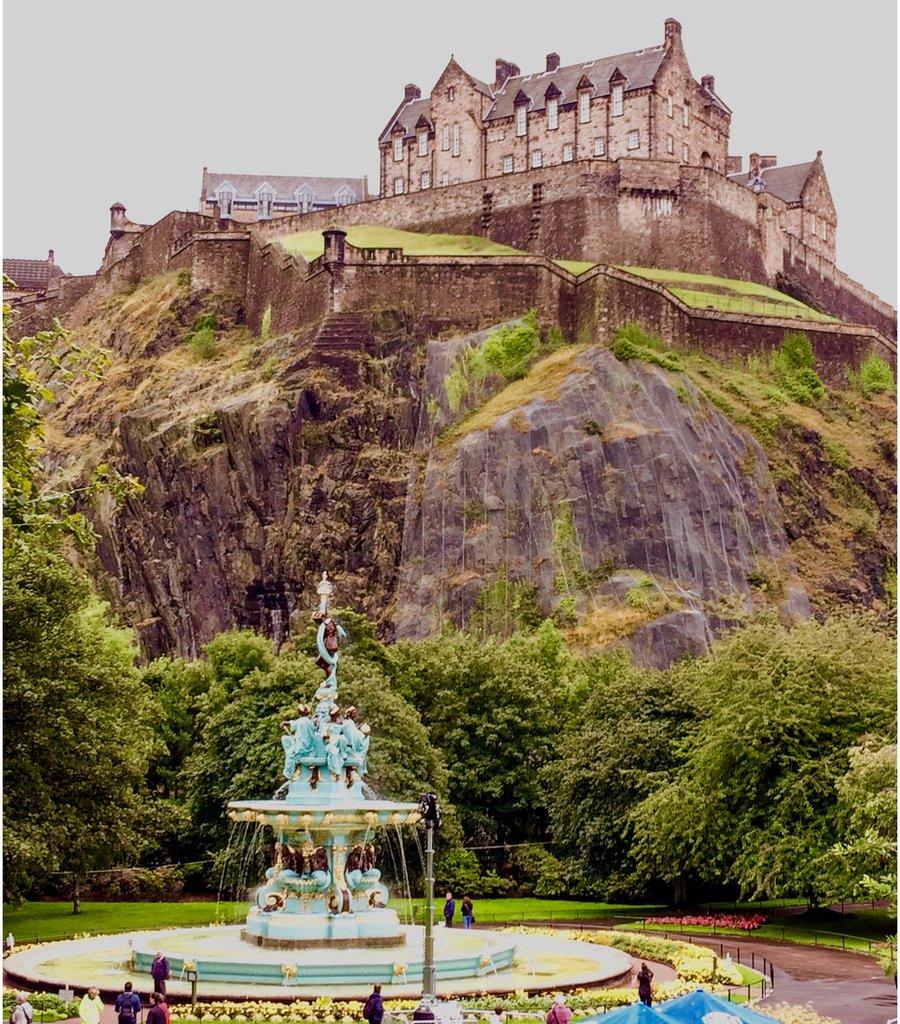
x: 50, y: 257
x: 411, y: 92
x: 552, y: 61
x: 768, y: 161
x: 709, y: 83
x: 673, y: 31
x: 503, y: 70
x: 753, y: 167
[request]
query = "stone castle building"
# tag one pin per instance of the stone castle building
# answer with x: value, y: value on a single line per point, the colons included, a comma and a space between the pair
x: 645, y: 103
x: 30, y: 276
x: 249, y: 198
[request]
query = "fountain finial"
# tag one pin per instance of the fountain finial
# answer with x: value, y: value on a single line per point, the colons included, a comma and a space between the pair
x: 324, y: 588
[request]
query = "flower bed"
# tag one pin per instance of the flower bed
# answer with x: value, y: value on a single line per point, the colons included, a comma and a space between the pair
x: 744, y: 922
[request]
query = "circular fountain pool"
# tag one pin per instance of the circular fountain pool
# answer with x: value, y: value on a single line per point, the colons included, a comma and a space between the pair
x: 228, y: 967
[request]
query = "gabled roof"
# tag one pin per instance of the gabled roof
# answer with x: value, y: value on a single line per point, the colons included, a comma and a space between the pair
x: 284, y: 186
x: 31, y: 275
x: 638, y: 67
x: 784, y: 182
x: 715, y: 100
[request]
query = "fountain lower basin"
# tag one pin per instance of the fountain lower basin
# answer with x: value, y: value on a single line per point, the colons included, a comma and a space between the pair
x: 228, y: 967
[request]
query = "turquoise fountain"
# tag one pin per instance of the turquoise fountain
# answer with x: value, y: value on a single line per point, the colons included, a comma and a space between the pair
x: 324, y: 888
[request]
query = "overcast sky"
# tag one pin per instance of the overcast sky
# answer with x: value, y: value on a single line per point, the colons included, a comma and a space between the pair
x: 110, y: 100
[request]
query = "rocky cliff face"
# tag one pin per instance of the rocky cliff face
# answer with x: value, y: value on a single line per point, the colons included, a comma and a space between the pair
x: 614, y: 495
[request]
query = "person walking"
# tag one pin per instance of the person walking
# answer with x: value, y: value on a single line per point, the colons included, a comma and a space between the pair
x: 373, y: 1011
x: 559, y: 1013
x: 468, y: 912
x: 645, y: 992
x: 90, y: 1007
x: 128, y: 1005
x: 449, y: 910
x: 157, y: 1014
x: 23, y: 1011
x: 159, y: 971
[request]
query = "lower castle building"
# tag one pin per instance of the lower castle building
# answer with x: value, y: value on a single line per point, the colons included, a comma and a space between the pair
x: 248, y: 198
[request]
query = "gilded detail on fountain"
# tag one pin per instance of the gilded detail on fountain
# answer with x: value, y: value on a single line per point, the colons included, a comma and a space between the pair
x: 325, y: 886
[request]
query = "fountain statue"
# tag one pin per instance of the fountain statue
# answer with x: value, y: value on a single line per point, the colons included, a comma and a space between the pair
x: 325, y: 886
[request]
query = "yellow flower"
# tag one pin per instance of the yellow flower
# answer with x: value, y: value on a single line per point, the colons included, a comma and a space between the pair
x: 399, y: 969
x: 289, y: 970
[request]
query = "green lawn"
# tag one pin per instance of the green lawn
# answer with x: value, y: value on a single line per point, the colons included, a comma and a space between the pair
x: 46, y: 920
x: 310, y: 244
x: 701, y: 291
x: 851, y: 931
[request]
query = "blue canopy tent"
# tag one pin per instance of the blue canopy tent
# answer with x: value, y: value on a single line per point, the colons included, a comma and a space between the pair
x: 696, y: 1007
x: 636, y: 1013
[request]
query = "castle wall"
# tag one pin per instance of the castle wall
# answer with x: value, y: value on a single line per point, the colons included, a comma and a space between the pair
x: 277, y: 280
x: 607, y: 300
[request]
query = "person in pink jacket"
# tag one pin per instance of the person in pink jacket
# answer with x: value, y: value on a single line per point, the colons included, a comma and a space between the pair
x: 559, y: 1013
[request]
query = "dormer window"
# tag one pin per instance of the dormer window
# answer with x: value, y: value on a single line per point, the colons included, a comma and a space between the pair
x: 264, y: 202
x: 305, y: 200
x: 686, y: 114
x: 455, y: 140
x: 398, y: 148
x: 343, y: 197
x: 618, y: 96
x: 552, y: 113
x: 225, y: 199
x: 670, y: 107
x: 521, y: 119
x: 423, y: 143
x: 584, y: 107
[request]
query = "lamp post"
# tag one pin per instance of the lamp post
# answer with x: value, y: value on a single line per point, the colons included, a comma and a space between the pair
x: 431, y: 816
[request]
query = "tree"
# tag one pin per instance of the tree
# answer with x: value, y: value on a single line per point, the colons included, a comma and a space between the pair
x: 75, y: 741
x: 615, y: 751
x: 754, y: 798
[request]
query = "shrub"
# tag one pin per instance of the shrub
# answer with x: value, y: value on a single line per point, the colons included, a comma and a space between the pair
x: 593, y: 428
x: 267, y: 372
x: 207, y: 431
x: 875, y: 376
x: 633, y: 342
x: 203, y: 343
x: 792, y: 365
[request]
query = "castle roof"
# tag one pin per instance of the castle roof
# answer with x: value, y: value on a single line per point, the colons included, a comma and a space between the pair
x: 31, y: 275
x: 285, y: 187
x: 637, y: 67
x: 785, y: 183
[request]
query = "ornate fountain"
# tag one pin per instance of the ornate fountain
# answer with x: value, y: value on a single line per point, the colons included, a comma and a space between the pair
x: 325, y: 887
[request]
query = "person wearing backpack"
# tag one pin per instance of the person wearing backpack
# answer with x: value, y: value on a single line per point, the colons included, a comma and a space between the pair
x: 128, y: 1005
x: 559, y: 1013
x: 23, y: 1011
x: 373, y: 1011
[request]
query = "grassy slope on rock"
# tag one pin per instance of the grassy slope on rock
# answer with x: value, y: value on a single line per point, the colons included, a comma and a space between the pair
x: 832, y: 465
x: 727, y: 294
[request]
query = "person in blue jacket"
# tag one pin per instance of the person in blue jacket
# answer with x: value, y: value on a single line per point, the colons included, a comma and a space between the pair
x: 449, y: 910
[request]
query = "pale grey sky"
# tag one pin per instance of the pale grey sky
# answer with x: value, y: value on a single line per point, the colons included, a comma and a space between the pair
x: 111, y: 100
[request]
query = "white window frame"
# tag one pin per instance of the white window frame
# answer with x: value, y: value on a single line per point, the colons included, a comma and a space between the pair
x: 264, y: 204
x: 423, y: 142
x: 568, y: 153
x: 584, y: 107
x: 522, y: 119
x: 670, y: 106
x: 225, y: 199
x: 445, y: 137
x: 685, y: 153
x: 686, y: 114
x: 399, y: 186
x: 398, y: 148
x: 508, y: 165
x: 537, y: 158
x: 451, y: 93
x: 634, y: 139
x: 426, y: 179
x: 552, y: 114
x: 670, y: 145
x: 618, y: 100
x: 455, y: 151
x: 445, y: 179
x: 824, y: 230
x: 600, y: 145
